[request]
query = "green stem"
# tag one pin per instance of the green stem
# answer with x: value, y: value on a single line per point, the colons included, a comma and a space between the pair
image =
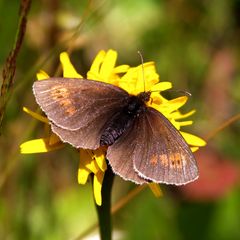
x: 104, y: 211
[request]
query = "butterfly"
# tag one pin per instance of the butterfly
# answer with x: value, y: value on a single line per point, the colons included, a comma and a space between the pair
x: 142, y: 144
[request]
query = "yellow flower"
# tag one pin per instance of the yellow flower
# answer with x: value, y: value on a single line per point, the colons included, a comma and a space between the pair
x: 132, y: 79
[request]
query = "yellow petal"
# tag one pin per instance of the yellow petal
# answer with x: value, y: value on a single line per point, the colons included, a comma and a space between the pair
x: 133, y: 81
x: 185, y: 123
x: 86, y: 161
x: 193, y: 140
x: 41, y: 75
x: 36, y: 115
x: 103, y: 69
x: 99, y: 156
x: 143, y: 77
x: 167, y: 107
x: 53, y: 139
x: 83, y: 174
x: 194, y: 149
x: 38, y: 146
x: 174, y: 123
x: 155, y: 188
x: 178, y: 115
x: 93, y: 167
x: 174, y: 104
x: 101, y: 162
x: 108, y: 64
x: 68, y: 70
x: 150, y: 75
x: 97, y: 187
x: 95, y: 67
x: 162, y: 86
x: 121, y: 69
x: 93, y: 76
x: 158, y: 98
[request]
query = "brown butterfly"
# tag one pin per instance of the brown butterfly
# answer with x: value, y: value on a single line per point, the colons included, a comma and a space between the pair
x: 142, y: 144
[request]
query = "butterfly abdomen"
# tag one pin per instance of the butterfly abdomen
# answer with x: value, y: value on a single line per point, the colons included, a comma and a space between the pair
x: 115, y: 127
x: 121, y: 121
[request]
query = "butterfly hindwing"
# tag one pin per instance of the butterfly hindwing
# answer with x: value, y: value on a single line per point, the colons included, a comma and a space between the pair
x: 120, y: 155
x: 162, y: 155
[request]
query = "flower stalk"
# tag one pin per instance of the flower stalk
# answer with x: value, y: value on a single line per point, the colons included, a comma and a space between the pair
x: 104, y: 211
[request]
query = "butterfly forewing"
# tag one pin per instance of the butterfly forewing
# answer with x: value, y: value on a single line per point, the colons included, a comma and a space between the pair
x: 72, y: 103
x: 162, y: 155
x: 78, y: 109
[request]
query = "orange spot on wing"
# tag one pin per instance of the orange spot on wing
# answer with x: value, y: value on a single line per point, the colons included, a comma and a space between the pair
x: 164, y: 160
x: 176, y: 160
x: 58, y: 92
x: 71, y: 110
x: 173, y: 160
x: 154, y: 160
x: 62, y: 96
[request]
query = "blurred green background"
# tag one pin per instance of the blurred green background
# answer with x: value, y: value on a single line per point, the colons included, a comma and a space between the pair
x: 195, y: 45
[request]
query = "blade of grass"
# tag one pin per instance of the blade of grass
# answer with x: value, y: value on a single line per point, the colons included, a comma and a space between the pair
x: 9, y: 67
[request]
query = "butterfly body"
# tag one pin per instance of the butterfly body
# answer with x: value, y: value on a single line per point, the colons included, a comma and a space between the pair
x: 124, y: 119
x: 143, y: 145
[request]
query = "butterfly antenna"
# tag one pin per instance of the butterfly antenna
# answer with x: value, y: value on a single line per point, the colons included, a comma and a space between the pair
x: 184, y: 92
x: 141, y: 57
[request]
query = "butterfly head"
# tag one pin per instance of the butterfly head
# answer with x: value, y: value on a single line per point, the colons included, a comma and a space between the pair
x: 144, y: 96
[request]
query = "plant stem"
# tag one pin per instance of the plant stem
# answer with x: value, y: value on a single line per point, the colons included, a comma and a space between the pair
x: 104, y: 211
